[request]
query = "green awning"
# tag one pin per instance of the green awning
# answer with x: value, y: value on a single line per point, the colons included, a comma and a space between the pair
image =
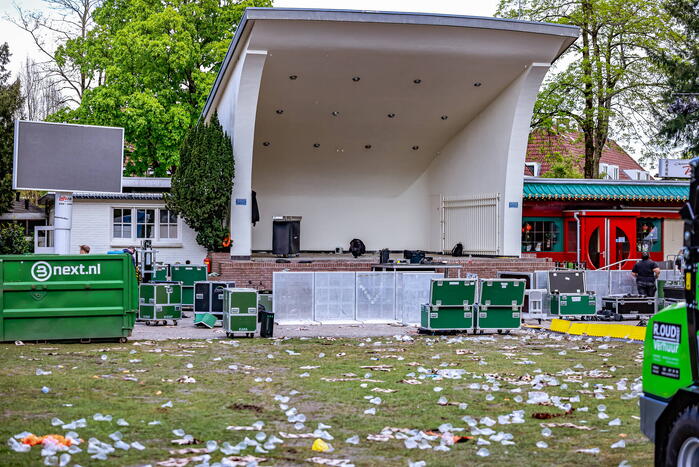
x: 535, y: 190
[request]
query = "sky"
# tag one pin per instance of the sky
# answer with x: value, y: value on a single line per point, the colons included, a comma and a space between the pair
x: 21, y: 45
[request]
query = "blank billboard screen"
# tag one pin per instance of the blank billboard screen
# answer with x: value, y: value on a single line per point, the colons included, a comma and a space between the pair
x: 65, y: 157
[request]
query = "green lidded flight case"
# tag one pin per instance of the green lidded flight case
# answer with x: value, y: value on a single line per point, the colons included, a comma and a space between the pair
x: 573, y: 305
x: 501, y: 293
x: 500, y: 304
x: 240, y: 311
x: 440, y: 318
x: 453, y: 292
x: 52, y: 297
x: 188, y: 274
x: 160, y: 301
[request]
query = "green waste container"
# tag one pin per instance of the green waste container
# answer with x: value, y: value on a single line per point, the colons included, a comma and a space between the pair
x: 72, y: 297
x: 266, y: 319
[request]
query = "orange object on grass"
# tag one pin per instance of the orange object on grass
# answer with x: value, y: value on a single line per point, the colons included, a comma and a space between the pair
x: 33, y: 440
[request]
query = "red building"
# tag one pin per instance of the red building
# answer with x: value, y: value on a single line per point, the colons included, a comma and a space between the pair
x: 601, y: 222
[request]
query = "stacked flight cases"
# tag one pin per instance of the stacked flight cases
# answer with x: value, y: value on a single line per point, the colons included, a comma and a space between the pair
x: 500, y: 304
x: 188, y: 274
x: 569, y: 298
x: 160, y: 301
x: 208, y: 298
x: 452, y: 305
x: 240, y: 311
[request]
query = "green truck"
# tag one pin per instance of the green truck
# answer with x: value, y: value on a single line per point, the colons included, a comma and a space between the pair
x: 71, y: 297
x: 670, y: 400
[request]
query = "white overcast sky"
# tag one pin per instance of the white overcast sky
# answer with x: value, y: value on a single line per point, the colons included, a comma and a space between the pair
x: 22, y: 46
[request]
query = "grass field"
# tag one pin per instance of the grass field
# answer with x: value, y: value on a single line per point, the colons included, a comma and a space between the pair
x: 327, y: 380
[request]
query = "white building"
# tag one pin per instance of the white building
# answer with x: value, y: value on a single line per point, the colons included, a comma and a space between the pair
x: 404, y: 130
x: 113, y: 221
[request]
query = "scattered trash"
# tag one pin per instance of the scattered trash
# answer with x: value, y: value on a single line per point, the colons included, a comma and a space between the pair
x: 331, y: 462
x: 321, y: 446
x: 548, y: 416
x: 566, y: 425
x: 33, y: 440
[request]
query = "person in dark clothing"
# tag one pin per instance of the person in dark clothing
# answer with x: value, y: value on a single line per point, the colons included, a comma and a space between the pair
x: 646, y: 272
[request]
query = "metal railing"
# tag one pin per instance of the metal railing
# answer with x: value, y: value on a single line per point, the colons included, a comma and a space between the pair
x: 609, y: 266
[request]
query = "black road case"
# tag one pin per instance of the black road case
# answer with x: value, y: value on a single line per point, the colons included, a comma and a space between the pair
x: 619, y: 307
x: 208, y: 296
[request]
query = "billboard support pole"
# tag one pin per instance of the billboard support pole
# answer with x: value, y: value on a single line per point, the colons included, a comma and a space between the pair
x: 62, y: 221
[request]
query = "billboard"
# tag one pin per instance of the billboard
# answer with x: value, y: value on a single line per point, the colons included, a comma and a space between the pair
x: 674, y: 168
x: 67, y: 157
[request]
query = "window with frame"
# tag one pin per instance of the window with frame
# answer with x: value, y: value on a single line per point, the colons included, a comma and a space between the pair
x: 139, y: 223
x: 610, y: 172
x: 168, y: 224
x: 542, y: 235
x: 648, y: 235
x: 534, y: 167
x: 121, y: 223
x: 145, y: 223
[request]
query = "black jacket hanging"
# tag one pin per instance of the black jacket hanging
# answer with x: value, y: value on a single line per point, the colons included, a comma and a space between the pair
x: 255, y: 209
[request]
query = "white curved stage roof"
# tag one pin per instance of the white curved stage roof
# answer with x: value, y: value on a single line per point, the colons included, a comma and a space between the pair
x: 366, y: 123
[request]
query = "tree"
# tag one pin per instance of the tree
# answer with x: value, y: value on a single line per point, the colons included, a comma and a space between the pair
x: 40, y: 92
x: 202, y: 183
x: 160, y: 60
x: 10, y: 107
x: 13, y: 241
x: 607, y: 80
x: 680, y: 64
x: 62, y: 37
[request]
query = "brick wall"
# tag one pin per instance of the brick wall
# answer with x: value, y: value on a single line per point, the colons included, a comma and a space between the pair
x: 258, y: 274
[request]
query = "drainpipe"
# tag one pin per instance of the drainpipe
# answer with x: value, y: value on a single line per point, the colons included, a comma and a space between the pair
x: 577, y: 237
